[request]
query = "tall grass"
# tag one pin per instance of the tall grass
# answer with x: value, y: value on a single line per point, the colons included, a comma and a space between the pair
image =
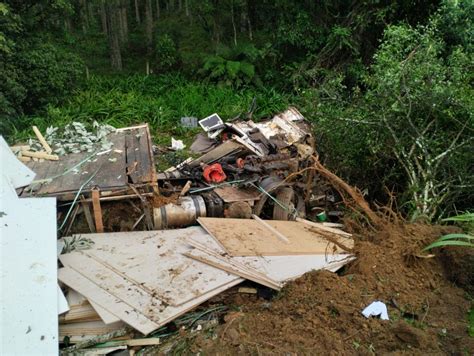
x: 158, y: 100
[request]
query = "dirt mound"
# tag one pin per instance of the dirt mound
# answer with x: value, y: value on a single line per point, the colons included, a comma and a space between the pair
x: 320, y: 313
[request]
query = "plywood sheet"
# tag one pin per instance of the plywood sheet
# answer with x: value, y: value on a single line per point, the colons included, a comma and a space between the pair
x: 245, y: 237
x: 155, y: 261
x: 106, y: 300
x: 277, y: 268
x: 29, y: 291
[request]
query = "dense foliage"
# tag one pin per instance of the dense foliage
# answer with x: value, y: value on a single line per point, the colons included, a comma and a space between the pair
x: 387, y: 84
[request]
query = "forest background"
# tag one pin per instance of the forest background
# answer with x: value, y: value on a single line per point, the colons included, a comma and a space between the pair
x: 388, y: 85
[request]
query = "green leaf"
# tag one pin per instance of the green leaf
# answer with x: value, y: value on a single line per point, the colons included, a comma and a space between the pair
x: 456, y: 236
x: 233, y: 68
x: 248, y: 69
x: 448, y: 243
x: 462, y: 217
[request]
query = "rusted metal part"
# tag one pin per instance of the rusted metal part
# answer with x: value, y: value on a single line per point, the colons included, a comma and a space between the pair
x: 182, y: 214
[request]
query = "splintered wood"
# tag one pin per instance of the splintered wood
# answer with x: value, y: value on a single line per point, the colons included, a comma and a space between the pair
x: 250, y: 237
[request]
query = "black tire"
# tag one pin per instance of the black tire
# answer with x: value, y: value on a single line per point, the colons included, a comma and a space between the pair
x: 286, y: 196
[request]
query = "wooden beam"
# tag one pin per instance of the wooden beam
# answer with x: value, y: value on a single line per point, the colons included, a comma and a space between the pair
x: 42, y: 140
x: 99, y: 225
x: 40, y: 155
x: 88, y: 215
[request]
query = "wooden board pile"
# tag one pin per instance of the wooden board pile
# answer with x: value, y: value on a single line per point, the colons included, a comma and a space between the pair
x: 147, y: 279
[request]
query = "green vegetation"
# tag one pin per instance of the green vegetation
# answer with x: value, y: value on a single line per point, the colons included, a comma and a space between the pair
x: 388, y: 85
x: 464, y: 240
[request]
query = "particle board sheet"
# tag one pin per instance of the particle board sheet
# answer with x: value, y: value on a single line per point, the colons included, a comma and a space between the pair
x: 246, y: 237
x: 155, y: 261
x: 28, y: 277
x: 130, y: 154
x: 275, y: 268
x: 115, y: 284
x: 124, y: 311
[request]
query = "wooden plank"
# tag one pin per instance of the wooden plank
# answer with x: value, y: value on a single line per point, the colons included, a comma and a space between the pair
x: 99, y: 225
x: 87, y: 328
x: 106, y: 300
x: 231, y: 194
x: 241, y: 237
x: 74, y: 298
x: 40, y: 155
x: 88, y: 215
x: 271, y: 229
x: 324, y: 227
x: 81, y: 312
x: 42, y: 140
x: 154, y: 260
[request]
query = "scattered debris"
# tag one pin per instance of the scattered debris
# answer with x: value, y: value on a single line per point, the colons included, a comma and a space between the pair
x: 253, y: 190
x: 177, y: 145
x: 376, y: 308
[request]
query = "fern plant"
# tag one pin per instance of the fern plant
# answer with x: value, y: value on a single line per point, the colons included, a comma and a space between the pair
x: 232, y: 66
x: 465, y: 240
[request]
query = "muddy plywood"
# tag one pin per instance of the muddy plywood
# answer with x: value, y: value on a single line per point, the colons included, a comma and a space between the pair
x: 247, y: 237
x: 107, y: 171
x: 233, y: 194
x: 154, y: 260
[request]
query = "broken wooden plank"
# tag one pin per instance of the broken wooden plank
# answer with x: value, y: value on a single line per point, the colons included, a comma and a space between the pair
x: 40, y: 155
x: 42, y: 140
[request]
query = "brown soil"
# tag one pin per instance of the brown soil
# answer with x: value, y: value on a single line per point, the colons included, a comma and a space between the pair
x: 320, y: 313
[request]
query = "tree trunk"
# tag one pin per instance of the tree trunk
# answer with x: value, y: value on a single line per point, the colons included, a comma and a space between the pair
x: 103, y: 17
x: 233, y: 22
x: 149, y: 25
x: 186, y: 8
x: 158, y: 10
x: 180, y: 5
x: 83, y: 16
x: 113, y: 15
x: 137, y: 12
x: 249, y: 13
x: 123, y: 14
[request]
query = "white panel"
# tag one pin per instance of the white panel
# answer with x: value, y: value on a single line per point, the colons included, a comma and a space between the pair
x: 28, y: 289
x: 17, y: 173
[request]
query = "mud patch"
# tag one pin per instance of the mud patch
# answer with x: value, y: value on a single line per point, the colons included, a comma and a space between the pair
x: 320, y: 313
